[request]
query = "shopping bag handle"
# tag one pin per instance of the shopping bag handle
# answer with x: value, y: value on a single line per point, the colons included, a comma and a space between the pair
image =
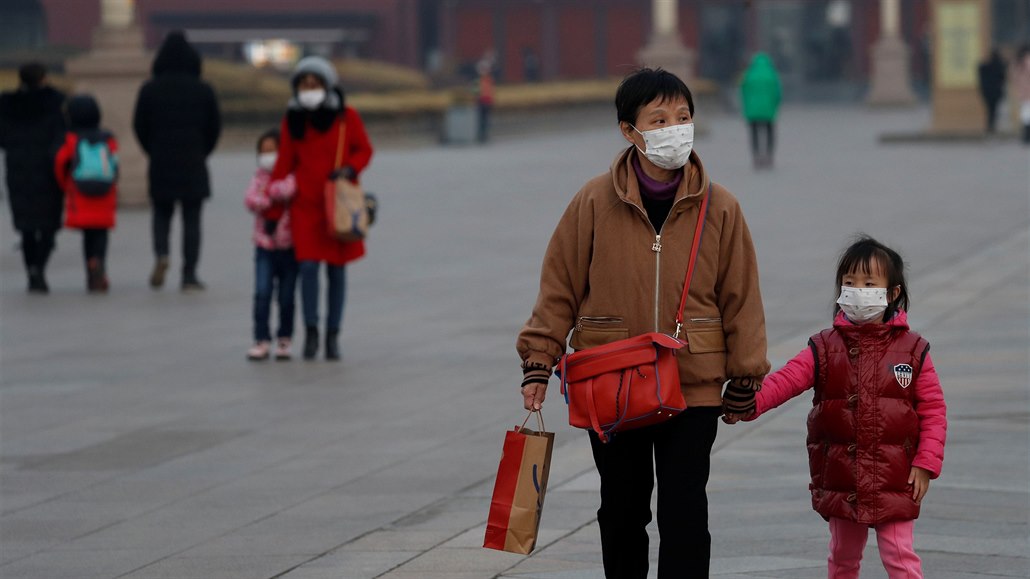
x: 539, y: 420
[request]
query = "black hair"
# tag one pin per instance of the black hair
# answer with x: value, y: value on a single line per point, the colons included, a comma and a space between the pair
x: 643, y: 86
x: 269, y: 134
x: 31, y: 74
x: 83, y: 112
x: 861, y: 255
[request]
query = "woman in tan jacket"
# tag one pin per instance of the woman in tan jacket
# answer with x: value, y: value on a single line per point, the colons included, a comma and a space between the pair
x: 614, y: 268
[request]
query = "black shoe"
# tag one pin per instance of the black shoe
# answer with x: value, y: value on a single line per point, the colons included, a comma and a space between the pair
x: 191, y: 283
x: 157, y: 275
x: 332, y: 345
x: 310, y: 343
x: 37, y: 283
x: 96, y: 279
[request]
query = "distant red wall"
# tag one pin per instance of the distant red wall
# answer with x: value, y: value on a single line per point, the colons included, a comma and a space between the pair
x: 523, y: 29
x: 71, y: 22
x: 626, y: 32
x: 576, y: 42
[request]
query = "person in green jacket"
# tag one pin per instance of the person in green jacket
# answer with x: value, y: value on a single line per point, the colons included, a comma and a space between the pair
x: 760, y: 98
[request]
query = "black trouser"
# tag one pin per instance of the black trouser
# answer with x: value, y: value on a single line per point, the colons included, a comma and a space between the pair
x: 680, y: 450
x: 94, y: 244
x: 766, y: 126
x: 484, y: 122
x: 1026, y: 134
x: 36, y: 247
x: 162, y: 225
x: 992, y: 114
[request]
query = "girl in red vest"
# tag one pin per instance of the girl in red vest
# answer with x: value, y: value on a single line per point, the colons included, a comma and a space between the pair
x: 877, y: 429
x: 86, y: 167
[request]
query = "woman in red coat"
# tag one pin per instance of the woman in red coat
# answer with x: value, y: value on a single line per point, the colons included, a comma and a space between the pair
x: 311, y: 139
x: 89, y: 184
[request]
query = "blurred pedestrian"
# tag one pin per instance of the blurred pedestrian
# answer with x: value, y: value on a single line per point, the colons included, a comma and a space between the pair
x: 991, y: 74
x: 1021, y: 79
x: 484, y: 97
x: 530, y: 65
x: 760, y: 94
x: 31, y: 128
x: 178, y: 123
x: 275, y: 267
x: 876, y: 434
x: 322, y: 138
x: 87, y: 169
x: 615, y: 268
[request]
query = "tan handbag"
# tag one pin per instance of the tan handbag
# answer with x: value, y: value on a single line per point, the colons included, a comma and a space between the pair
x: 348, y: 207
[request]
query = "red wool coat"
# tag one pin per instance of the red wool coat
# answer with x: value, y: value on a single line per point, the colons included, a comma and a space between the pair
x: 81, y: 211
x: 312, y: 159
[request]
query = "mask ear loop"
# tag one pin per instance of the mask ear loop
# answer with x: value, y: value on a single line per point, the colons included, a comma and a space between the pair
x: 639, y: 132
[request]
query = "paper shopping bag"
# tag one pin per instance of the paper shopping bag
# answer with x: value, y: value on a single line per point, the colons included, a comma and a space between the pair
x: 519, y: 489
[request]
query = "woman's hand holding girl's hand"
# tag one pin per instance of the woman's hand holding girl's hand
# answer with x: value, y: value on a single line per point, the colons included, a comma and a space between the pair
x: 735, y: 417
x: 919, y: 478
x: 533, y: 396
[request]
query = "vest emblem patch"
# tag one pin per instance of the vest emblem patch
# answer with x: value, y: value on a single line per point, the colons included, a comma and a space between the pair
x: 903, y: 374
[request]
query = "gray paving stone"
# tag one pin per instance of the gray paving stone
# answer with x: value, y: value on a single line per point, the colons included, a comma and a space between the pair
x: 157, y: 451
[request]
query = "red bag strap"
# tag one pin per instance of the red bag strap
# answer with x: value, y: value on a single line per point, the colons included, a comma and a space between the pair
x: 695, y: 246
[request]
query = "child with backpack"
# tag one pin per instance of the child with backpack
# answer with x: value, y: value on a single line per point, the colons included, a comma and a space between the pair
x: 877, y: 429
x: 274, y: 262
x: 86, y: 167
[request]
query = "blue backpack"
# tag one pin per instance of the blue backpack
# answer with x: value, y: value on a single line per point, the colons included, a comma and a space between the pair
x: 94, y: 167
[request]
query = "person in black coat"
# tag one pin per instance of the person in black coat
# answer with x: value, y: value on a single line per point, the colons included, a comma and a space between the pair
x: 992, y: 86
x: 177, y: 123
x: 31, y: 129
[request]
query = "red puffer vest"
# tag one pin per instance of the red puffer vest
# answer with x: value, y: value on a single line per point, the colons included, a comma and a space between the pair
x: 863, y: 431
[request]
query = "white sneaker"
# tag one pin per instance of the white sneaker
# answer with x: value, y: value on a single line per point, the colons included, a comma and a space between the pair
x: 259, y: 351
x: 282, y: 349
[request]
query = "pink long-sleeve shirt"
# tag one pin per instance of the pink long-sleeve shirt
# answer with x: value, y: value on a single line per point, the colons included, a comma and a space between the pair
x: 798, y: 375
x: 262, y: 194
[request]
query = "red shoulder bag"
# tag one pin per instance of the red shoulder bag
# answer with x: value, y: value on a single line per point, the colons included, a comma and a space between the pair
x: 633, y: 382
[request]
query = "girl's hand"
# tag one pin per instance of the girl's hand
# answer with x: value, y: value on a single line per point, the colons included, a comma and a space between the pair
x: 733, y: 417
x: 919, y: 478
x: 533, y: 396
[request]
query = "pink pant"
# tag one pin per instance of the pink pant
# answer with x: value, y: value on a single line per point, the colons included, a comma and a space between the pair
x: 847, y: 540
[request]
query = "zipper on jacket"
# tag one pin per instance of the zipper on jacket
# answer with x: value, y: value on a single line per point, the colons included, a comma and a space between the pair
x: 597, y: 320
x: 657, y: 249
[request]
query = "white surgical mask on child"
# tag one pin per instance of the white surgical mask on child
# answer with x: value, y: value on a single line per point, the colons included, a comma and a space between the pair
x: 668, y: 147
x: 311, y: 99
x: 267, y: 160
x: 862, y: 304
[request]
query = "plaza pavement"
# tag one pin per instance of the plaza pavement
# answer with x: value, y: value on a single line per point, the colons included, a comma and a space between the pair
x: 137, y: 443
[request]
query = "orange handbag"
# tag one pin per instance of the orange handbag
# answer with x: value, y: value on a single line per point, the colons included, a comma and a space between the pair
x: 633, y: 382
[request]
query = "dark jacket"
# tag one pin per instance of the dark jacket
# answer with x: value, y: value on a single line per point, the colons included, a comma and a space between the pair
x: 177, y: 122
x: 992, y: 78
x: 31, y: 130
x: 863, y: 431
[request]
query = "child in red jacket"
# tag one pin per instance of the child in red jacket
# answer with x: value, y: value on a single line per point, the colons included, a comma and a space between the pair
x: 877, y: 427
x: 87, y: 170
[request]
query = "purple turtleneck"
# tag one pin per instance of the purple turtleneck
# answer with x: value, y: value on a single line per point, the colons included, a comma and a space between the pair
x: 653, y: 189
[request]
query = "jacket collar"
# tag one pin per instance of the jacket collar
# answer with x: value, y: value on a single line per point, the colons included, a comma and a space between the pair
x: 693, y: 185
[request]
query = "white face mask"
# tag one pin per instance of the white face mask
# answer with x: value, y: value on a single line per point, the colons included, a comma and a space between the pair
x: 862, y: 304
x: 311, y: 99
x: 668, y: 147
x: 267, y: 160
